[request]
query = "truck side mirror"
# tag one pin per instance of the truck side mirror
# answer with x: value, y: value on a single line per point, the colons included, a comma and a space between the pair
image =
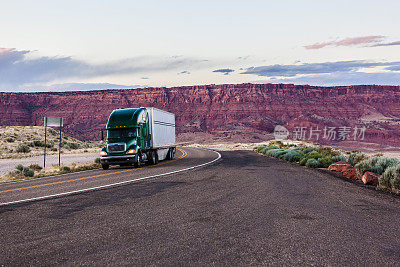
x: 102, y: 135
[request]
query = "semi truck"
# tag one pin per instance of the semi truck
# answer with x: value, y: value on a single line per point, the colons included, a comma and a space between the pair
x: 138, y: 135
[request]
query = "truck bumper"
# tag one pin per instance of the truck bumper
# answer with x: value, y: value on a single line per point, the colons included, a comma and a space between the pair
x: 115, y: 160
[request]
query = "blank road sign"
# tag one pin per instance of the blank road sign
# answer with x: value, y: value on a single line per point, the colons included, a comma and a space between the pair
x: 53, y: 121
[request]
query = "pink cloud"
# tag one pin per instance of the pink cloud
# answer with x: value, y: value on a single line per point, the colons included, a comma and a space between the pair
x: 348, y: 42
x: 5, y: 50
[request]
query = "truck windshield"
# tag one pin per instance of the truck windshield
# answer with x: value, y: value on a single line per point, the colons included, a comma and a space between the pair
x: 121, y: 133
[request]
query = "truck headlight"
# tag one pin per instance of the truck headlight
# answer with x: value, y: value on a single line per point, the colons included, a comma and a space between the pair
x: 103, y: 153
x: 131, y: 151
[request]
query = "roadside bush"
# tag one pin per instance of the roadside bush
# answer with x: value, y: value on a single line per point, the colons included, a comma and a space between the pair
x: 259, y: 148
x: 387, y: 162
x: 19, y: 167
x: 40, y: 143
x: 308, y: 150
x: 72, y: 145
x: 292, y: 156
x: 265, y: 149
x: 339, y: 158
x: 391, y: 178
x: 275, y: 152
x: 22, y: 148
x: 28, y: 172
x: 65, y: 169
x: 325, y: 162
x: 312, y: 163
x: 10, y: 139
x: 310, y: 155
x: 356, y: 157
x: 35, y: 167
x: 376, y: 165
x: 328, y: 151
x: 277, y: 143
x: 97, y: 160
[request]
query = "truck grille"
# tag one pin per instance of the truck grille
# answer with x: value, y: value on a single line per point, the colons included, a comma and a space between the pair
x: 116, y: 148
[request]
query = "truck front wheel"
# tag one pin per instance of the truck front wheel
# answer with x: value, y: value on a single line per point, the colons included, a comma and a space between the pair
x: 105, y: 166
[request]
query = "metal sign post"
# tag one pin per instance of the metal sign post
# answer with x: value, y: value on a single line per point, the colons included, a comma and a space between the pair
x: 55, y: 122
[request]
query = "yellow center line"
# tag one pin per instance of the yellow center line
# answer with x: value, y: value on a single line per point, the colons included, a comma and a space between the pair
x: 184, y: 154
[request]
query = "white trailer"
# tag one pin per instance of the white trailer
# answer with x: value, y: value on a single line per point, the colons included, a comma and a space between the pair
x: 162, y: 131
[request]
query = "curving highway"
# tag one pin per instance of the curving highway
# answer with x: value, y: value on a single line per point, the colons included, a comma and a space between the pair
x: 242, y: 209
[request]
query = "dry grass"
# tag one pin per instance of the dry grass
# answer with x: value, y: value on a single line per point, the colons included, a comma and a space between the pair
x: 13, y: 138
x: 50, y: 171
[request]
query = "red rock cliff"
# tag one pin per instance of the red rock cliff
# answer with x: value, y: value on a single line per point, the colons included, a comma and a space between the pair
x: 240, y: 107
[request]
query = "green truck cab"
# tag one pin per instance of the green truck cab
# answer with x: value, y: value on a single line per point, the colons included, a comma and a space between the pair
x: 134, y: 135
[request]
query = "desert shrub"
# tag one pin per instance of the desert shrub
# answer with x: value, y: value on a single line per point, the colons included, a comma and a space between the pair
x: 28, y: 172
x: 310, y: 155
x: 325, y: 161
x: 259, y: 148
x: 328, y: 151
x: 40, y: 143
x: 391, y: 178
x: 356, y: 157
x: 277, y: 143
x: 19, y: 167
x: 364, y: 166
x: 22, y: 148
x: 275, y: 152
x: 10, y: 139
x: 339, y: 158
x: 73, y: 145
x: 97, y: 160
x: 376, y: 165
x: 265, y: 149
x: 292, y: 156
x: 378, y: 169
x: 65, y: 169
x: 308, y: 150
x: 312, y: 163
x: 53, y: 149
x: 35, y: 167
x: 387, y: 162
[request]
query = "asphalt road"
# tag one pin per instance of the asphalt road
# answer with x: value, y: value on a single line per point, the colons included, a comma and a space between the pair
x: 244, y: 209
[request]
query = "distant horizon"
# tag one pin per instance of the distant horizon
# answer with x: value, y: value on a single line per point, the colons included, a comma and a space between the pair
x: 194, y: 85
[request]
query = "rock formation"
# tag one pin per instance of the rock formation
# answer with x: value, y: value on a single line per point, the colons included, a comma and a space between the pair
x: 225, y: 110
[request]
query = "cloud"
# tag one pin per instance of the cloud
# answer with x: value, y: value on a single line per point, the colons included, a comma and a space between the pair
x: 393, y: 68
x: 387, y: 44
x: 79, y: 87
x: 224, y: 71
x: 373, y: 39
x: 315, y: 68
x: 184, y: 72
x: 342, y: 78
x: 18, y: 69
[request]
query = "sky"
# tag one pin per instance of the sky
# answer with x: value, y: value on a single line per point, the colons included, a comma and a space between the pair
x: 48, y: 45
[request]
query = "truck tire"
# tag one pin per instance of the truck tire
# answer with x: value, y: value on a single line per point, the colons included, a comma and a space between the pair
x: 153, y: 157
x: 136, y: 164
x: 105, y: 166
x: 170, y: 154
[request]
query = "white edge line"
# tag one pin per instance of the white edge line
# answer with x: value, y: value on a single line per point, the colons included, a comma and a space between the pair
x: 110, y: 185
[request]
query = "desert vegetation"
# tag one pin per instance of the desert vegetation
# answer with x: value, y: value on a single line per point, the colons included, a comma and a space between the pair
x: 35, y: 171
x: 25, y: 141
x: 355, y: 164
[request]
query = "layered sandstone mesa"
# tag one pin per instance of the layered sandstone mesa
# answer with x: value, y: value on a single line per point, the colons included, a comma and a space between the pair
x: 237, y: 111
